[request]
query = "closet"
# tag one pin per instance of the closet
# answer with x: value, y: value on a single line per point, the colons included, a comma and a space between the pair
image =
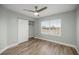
x: 23, y: 30
x: 31, y: 29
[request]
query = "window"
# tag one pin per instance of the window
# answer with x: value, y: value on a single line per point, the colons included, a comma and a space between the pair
x: 51, y: 27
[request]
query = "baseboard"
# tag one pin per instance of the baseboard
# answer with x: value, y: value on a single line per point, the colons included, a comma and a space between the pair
x: 66, y: 44
x: 77, y: 50
x: 9, y: 46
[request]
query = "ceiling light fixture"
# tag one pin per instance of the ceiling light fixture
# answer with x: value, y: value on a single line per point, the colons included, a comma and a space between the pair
x: 36, y: 11
x: 36, y: 14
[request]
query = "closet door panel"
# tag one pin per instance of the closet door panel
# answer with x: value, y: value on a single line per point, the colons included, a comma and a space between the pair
x: 22, y: 30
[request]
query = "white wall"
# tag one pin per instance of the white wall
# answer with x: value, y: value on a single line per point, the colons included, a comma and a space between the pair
x: 77, y: 28
x: 68, y: 28
x: 8, y: 26
x: 3, y: 28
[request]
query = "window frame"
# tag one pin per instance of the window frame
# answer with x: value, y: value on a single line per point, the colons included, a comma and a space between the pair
x: 49, y: 21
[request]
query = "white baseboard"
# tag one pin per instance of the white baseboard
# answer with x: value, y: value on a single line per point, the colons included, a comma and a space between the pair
x: 66, y: 44
x: 9, y: 46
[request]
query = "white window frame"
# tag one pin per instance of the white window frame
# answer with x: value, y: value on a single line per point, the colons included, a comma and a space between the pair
x: 49, y: 26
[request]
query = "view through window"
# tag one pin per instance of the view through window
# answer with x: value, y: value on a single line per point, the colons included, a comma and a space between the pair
x: 51, y: 27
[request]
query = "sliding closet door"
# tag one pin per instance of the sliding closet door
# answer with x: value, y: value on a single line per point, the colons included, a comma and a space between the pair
x: 22, y: 30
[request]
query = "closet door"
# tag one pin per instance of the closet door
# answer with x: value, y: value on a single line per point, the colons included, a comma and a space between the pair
x: 22, y: 30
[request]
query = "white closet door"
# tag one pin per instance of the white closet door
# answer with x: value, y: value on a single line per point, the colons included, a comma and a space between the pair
x: 22, y: 30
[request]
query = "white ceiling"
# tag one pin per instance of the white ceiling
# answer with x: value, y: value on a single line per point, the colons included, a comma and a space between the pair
x: 51, y: 8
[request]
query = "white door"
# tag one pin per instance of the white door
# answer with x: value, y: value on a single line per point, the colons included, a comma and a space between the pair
x: 22, y: 30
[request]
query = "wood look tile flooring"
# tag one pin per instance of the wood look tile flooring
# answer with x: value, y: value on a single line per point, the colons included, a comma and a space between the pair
x: 39, y: 47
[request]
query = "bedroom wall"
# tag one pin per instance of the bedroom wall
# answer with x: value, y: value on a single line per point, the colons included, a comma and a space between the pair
x: 3, y: 29
x: 68, y: 35
x: 8, y: 26
x: 77, y: 28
